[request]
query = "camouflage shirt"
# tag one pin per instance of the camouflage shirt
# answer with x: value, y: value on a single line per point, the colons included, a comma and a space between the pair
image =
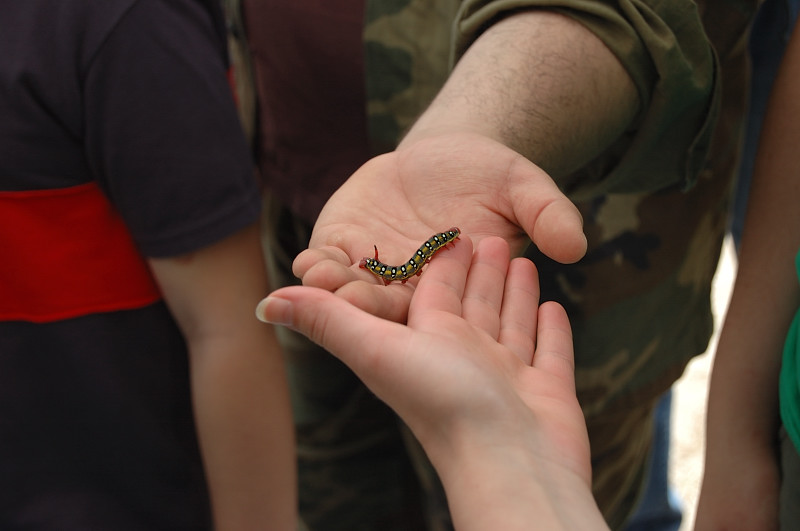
x: 654, y: 203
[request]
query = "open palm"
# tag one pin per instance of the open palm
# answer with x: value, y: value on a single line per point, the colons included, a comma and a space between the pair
x: 397, y: 200
x: 476, y: 355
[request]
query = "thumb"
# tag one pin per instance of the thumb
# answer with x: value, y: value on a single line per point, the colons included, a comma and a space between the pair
x: 551, y: 220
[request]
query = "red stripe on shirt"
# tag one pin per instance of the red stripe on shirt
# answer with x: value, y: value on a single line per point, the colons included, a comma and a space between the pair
x: 65, y: 253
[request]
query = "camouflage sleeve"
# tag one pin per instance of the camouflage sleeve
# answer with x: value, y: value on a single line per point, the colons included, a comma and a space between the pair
x: 664, y: 48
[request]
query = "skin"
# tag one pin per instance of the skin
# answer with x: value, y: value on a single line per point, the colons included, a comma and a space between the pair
x: 469, y: 164
x: 239, y: 390
x: 485, y: 383
x: 742, y: 473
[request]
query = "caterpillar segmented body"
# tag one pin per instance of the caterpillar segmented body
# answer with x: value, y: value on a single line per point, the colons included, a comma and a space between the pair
x: 413, y: 266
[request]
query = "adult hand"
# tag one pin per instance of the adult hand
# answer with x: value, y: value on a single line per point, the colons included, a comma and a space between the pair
x: 397, y: 200
x: 477, y: 372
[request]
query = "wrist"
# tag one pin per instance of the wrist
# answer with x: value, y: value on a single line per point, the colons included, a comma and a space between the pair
x: 506, y: 481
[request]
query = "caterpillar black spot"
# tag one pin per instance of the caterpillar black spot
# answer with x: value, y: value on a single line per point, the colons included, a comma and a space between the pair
x: 413, y: 266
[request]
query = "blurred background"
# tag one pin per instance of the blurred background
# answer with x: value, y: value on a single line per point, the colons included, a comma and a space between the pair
x: 689, y: 400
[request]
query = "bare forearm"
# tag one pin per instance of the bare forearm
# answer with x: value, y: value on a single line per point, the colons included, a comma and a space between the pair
x: 766, y: 293
x: 541, y: 84
x: 738, y: 418
x: 245, y: 431
x: 239, y: 389
x: 742, y: 474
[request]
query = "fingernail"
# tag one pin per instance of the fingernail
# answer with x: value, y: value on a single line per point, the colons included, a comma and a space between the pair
x: 275, y: 311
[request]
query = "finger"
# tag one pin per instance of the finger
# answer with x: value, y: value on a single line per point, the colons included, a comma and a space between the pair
x: 309, y: 258
x: 441, y: 286
x: 329, y: 268
x: 483, y: 294
x: 519, y: 315
x: 387, y: 302
x: 554, y: 347
x: 332, y: 323
x: 551, y: 220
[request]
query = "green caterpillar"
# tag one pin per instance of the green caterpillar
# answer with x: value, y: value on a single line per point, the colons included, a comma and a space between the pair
x: 414, y: 265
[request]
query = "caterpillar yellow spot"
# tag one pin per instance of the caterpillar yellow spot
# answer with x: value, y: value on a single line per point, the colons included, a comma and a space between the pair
x: 413, y: 266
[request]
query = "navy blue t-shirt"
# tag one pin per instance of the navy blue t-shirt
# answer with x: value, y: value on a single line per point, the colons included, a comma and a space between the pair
x: 96, y: 426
